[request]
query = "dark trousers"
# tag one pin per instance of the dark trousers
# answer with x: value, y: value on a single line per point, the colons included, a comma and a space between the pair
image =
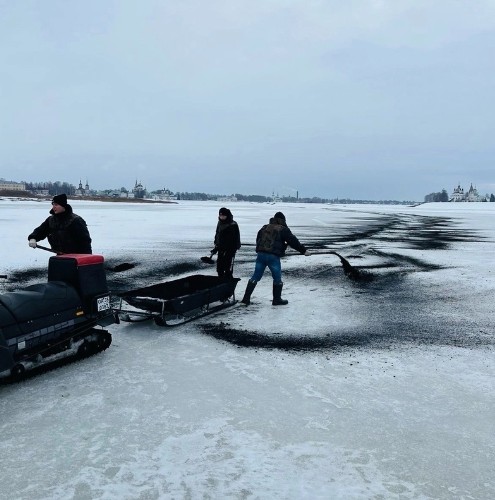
x: 225, y: 264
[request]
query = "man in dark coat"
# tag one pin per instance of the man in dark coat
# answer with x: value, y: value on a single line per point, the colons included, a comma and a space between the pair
x: 227, y: 242
x: 66, y: 231
x: 271, y: 242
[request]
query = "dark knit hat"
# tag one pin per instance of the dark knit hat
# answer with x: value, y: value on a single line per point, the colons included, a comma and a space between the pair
x: 279, y: 215
x: 60, y: 199
x: 224, y: 211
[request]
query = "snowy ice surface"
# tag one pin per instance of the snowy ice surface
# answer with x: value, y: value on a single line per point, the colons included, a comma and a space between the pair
x: 355, y: 390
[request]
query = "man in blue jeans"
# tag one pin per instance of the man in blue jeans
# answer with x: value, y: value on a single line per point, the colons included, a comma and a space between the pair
x: 271, y: 243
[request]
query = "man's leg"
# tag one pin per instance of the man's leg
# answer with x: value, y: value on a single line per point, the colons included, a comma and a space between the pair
x: 276, y: 269
x: 273, y: 263
x: 259, y: 269
x: 223, y: 265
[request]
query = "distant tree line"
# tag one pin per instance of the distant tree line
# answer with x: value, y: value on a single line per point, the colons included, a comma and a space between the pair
x: 435, y: 197
x: 256, y: 198
x: 53, y: 188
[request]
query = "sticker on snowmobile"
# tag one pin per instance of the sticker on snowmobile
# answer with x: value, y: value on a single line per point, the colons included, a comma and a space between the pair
x: 103, y: 303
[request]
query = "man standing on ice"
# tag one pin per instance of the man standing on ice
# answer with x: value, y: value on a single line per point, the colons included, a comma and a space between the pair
x: 271, y: 243
x: 227, y: 242
x: 66, y: 231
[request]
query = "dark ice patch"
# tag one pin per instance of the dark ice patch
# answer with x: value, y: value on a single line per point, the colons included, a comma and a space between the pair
x: 398, y: 312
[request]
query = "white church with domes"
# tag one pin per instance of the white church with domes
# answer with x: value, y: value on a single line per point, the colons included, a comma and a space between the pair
x: 460, y: 195
x: 83, y: 191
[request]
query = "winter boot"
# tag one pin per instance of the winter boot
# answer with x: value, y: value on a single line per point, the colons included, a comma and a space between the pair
x: 247, y: 294
x: 277, y: 295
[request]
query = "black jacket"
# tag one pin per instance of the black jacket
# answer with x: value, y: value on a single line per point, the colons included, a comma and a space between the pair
x: 274, y: 238
x: 227, y: 235
x: 66, y: 232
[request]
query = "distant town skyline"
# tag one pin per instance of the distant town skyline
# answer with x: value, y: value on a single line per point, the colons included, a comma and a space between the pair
x: 457, y: 194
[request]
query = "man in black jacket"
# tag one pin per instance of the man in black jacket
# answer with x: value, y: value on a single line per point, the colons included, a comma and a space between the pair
x: 227, y: 242
x: 271, y: 243
x: 66, y: 231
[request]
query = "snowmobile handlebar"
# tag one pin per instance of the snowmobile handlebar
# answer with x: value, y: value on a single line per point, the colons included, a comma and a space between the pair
x: 46, y: 248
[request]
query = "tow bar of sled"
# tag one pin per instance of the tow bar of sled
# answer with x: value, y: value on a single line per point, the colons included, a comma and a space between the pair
x: 177, y: 302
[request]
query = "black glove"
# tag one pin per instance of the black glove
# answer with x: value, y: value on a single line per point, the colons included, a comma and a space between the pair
x: 214, y: 251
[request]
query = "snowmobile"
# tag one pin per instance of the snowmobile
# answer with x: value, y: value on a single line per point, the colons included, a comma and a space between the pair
x: 64, y: 317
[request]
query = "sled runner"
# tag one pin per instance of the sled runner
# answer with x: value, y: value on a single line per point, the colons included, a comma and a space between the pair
x: 176, y: 302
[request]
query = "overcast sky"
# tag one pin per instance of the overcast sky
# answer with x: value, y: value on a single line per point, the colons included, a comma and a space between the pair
x: 371, y: 99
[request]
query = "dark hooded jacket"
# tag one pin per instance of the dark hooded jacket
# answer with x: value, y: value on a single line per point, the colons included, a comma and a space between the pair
x: 227, y: 235
x: 66, y: 232
x: 274, y: 238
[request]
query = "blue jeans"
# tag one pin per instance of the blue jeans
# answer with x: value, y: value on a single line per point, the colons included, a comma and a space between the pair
x: 273, y: 262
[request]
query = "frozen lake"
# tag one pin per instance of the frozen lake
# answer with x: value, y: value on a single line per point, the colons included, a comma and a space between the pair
x: 378, y: 387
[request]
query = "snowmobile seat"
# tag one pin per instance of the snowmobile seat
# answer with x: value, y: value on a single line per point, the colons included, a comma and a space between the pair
x: 40, y: 300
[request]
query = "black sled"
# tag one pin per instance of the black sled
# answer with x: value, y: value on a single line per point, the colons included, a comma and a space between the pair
x: 178, y: 301
x: 46, y: 322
